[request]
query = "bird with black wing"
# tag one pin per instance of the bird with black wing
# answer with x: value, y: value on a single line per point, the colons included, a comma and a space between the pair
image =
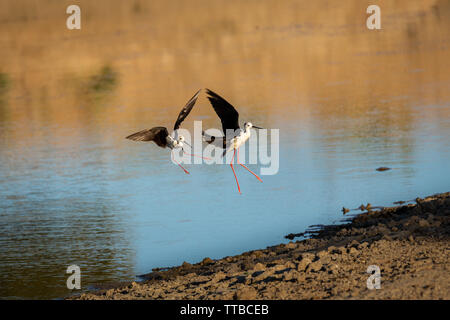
x: 161, y: 136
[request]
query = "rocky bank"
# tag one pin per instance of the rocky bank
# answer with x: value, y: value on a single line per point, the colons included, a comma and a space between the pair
x: 409, y: 243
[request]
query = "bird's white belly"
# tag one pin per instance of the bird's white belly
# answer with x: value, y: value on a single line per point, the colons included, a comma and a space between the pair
x: 240, y: 139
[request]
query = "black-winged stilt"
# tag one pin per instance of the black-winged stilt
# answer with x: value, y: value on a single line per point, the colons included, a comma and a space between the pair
x: 230, y: 120
x: 161, y: 136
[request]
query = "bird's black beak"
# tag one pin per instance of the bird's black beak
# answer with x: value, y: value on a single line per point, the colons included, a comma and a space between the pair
x: 257, y: 127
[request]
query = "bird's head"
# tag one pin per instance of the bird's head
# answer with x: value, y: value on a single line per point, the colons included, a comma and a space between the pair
x: 181, y: 141
x: 249, y: 125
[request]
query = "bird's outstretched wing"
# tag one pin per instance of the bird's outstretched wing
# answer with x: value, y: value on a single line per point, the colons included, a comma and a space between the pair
x: 156, y: 134
x: 226, y: 112
x: 186, y: 110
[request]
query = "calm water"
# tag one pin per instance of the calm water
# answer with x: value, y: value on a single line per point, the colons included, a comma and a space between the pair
x: 74, y: 191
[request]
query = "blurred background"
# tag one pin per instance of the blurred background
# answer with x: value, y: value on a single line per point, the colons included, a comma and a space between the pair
x: 346, y: 99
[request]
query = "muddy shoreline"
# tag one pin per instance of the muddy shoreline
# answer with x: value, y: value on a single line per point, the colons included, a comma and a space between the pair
x: 409, y: 243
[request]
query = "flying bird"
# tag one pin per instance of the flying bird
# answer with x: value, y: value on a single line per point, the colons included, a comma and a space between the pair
x: 230, y: 121
x: 161, y: 136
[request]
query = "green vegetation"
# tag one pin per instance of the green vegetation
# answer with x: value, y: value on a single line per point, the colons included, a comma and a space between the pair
x: 103, y: 82
x: 4, y: 83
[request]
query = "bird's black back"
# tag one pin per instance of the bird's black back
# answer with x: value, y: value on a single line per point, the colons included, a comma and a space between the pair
x: 156, y: 134
x: 226, y: 112
x: 186, y: 110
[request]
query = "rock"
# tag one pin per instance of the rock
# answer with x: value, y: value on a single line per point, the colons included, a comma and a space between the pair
x: 186, y: 265
x: 206, y: 261
x: 423, y: 223
x: 218, y: 276
x: 245, y: 293
x: 246, y: 265
x: 257, y: 253
x: 413, y: 220
x: 341, y: 250
x: 314, y: 266
x: 263, y: 275
x: 279, y: 267
x: 302, y: 265
x: 387, y: 237
x: 291, y: 245
x: 334, y: 269
x: 331, y: 249
x: 259, y: 267
x: 436, y: 224
x: 307, y: 255
x: 290, y: 265
x: 353, y: 251
x: 363, y: 245
x: 109, y: 293
x: 352, y: 244
x: 322, y: 254
x: 290, y: 275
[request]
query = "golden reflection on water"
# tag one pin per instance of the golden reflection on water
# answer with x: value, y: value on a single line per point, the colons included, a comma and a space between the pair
x: 274, y: 57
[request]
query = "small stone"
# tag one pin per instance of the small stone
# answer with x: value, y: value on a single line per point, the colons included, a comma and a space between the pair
x: 206, y: 261
x: 245, y: 293
x: 109, y: 293
x: 331, y: 249
x: 423, y: 223
x: 302, y: 265
x: 322, y: 254
x: 353, y: 251
x: 186, y: 265
x: 315, y: 266
x: 308, y: 255
x: 257, y: 253
x: 411, y: 238
x: 290, y: 275
x: 341, y: 250
x: 279, y: 267
x: 259, y: 267
x: 263, y: 275
x: 334, y: 269
x: 363, y: 245
x: 218, y: 276
x: 352, y: 244
x: 436, y: 224
x: 291, y: 245
x: 290, y: 265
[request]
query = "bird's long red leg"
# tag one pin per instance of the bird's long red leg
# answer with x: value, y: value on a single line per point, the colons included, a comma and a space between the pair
x: 246, y: 167
x: 231, y: 165
x: 187, y: 172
